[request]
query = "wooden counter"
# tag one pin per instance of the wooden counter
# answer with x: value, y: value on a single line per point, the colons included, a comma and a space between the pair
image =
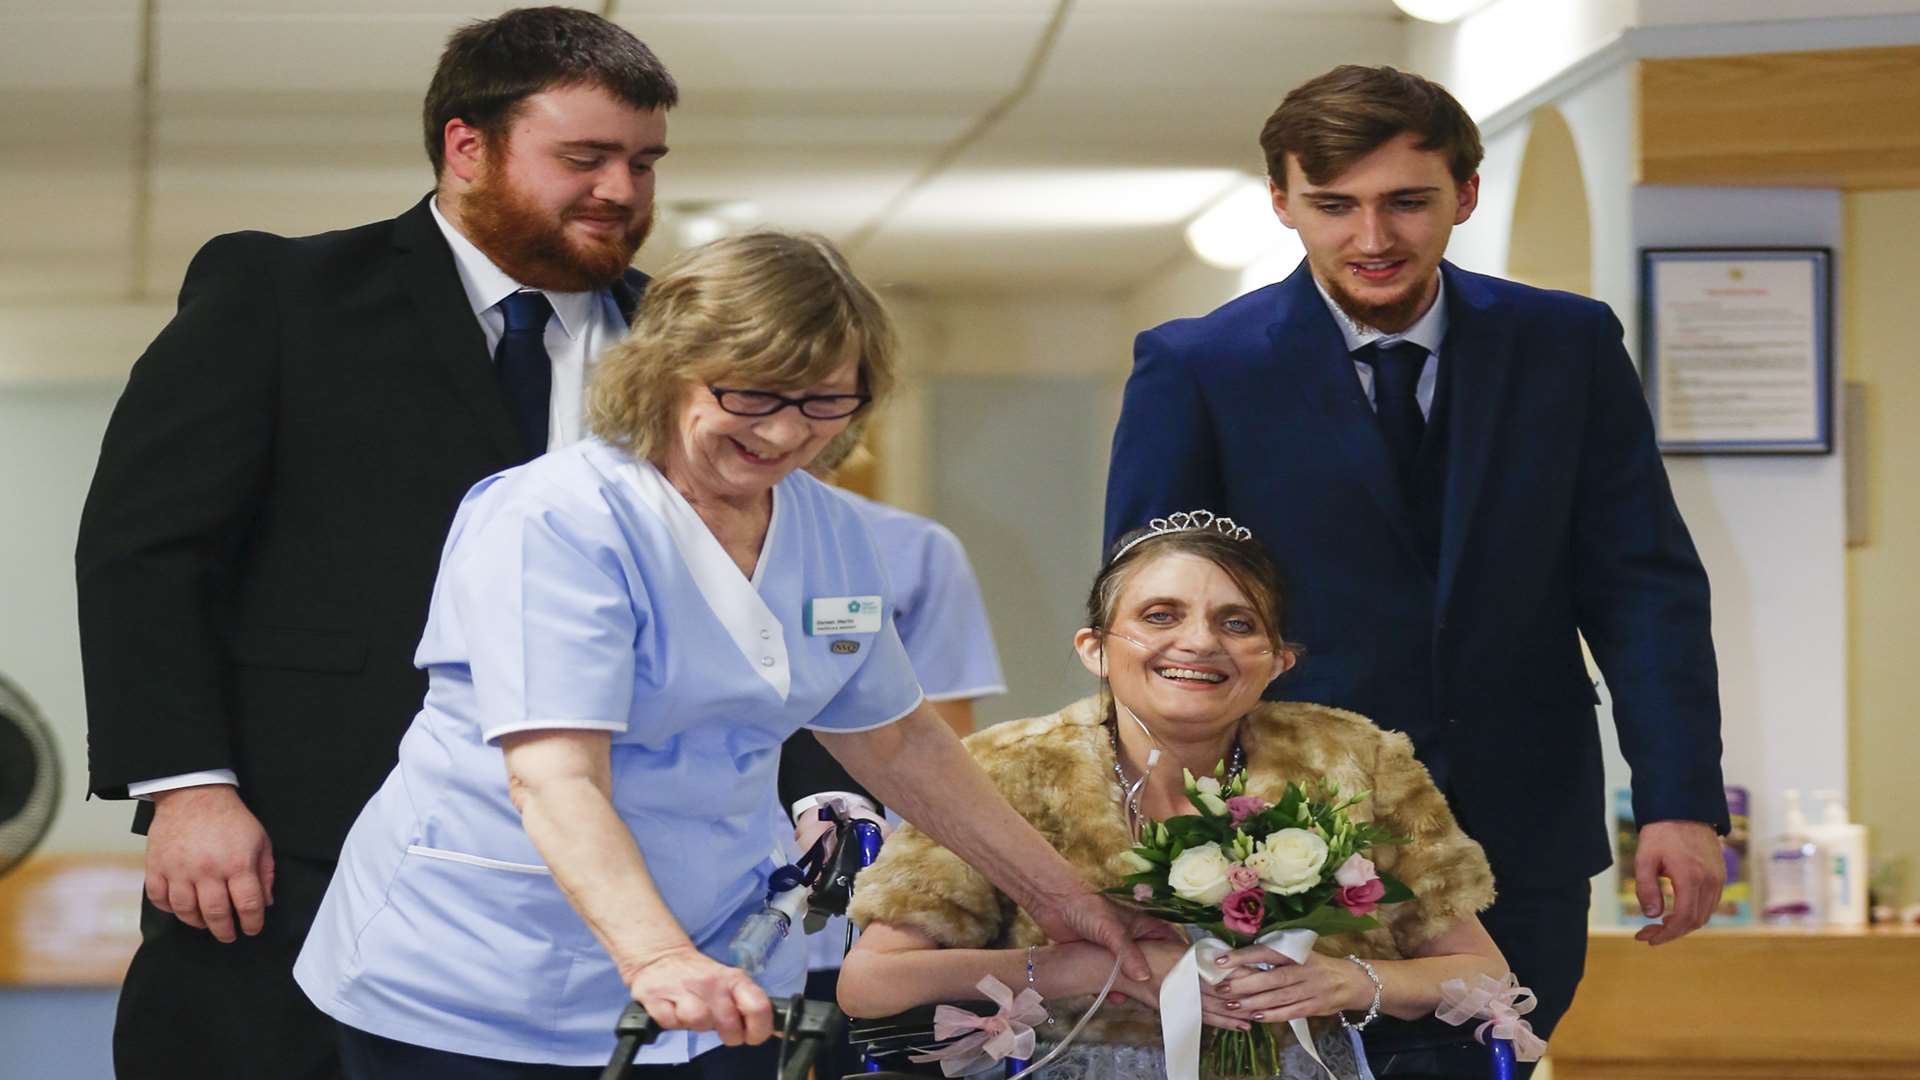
x: 1746, y: 1004
x: 70, y: 920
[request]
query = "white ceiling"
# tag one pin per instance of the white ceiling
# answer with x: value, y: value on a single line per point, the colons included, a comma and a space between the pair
x: 841, y: 116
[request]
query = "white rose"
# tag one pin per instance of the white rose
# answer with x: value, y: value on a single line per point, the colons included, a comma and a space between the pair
x: 1200, y: 874
x: 1207, y: 785
x: 1289, y: 861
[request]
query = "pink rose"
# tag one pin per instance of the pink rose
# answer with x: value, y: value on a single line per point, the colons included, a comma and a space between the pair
x: 1355, y: 872
x: 1143, y: 892
x: 1241, y: 911
x: 1242, y: 876
x: 1242, y: 807
x: 1361, y: 899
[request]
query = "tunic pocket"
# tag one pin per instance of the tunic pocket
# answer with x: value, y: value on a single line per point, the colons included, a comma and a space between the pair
x: 483, y: 950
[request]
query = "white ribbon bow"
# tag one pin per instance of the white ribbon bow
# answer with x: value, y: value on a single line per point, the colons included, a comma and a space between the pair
x: 1180, y: 1023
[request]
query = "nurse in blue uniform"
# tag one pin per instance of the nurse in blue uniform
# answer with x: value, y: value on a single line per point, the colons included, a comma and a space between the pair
x: 939, y: 611
x: 621, y: 636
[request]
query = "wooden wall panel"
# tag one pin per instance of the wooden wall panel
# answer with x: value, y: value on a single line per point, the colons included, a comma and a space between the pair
x: 1845, y: 118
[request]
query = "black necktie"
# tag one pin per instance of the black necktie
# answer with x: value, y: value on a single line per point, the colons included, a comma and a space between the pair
x: 1396, y: 377
x: 525, y: 372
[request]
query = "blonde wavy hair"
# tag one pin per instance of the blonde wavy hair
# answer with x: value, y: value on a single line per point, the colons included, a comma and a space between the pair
x: 764, y: 310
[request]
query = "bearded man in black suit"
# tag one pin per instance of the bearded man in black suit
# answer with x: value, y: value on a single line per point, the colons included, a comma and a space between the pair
x: 265, y: 522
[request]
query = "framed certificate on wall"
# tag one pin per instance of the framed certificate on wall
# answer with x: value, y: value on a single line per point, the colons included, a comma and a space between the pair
x: 1737, y: 349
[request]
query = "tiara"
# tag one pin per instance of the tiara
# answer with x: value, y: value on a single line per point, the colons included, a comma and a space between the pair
x: 1187, y: 521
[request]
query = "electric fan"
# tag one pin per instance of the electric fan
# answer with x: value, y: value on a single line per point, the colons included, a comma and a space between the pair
x: 29, y: 776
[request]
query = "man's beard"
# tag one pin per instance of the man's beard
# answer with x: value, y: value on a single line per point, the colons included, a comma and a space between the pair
x: 524, y: 240
x: 1392, y: 317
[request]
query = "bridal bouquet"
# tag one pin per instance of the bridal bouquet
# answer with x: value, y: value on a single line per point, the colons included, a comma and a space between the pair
x: 1243, y: 870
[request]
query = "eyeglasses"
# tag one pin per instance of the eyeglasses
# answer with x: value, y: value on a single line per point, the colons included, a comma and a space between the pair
x: 766, y: 403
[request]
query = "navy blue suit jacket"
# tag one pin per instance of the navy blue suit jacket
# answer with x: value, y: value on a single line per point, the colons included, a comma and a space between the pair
x: 1558, y: 519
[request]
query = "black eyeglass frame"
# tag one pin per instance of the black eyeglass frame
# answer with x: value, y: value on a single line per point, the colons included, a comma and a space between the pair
x: 860, y: 400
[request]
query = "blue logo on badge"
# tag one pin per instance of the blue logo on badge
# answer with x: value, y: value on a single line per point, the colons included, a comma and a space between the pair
x: 853, y: 606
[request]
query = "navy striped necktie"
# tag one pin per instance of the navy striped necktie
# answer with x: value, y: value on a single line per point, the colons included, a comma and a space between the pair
x: 525, y: 371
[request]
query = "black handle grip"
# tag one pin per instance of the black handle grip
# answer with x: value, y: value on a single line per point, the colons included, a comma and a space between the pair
x: 803, y: 1023
x: 633, y: 1030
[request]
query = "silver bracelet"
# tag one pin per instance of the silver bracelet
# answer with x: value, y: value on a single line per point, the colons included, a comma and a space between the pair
x: 1030, y: 979
x: 1373, y: 1010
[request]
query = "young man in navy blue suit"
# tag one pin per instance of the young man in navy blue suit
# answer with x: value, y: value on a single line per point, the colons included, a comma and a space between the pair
x: 1459, y: 474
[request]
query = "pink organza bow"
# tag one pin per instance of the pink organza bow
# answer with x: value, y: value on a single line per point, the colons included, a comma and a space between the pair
x: 1007, y: 1033
x: 1499, y: 1002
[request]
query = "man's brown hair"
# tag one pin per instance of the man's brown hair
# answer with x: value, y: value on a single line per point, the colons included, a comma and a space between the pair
x: 490, y: 69
x: 1332, y: 121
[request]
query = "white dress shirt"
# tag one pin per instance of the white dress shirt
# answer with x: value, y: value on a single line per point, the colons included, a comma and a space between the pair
x: 1428, y: 331
x: 584, y: 324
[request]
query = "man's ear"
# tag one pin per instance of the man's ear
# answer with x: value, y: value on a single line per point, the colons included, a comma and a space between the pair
x: 1469, y: 196
x: 465, y: 150
x: 1090, y: 645
x: 1279, y: 196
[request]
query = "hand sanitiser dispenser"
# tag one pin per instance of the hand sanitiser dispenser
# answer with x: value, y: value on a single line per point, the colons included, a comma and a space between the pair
x: 1796, y: 887
x: 1845, y: 871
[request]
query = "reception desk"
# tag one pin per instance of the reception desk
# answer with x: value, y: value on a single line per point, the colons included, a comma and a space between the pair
x: 1746, y: 1004
x: 70, y: 920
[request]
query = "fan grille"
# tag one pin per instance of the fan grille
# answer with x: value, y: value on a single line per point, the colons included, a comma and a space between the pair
x: 29, y: 776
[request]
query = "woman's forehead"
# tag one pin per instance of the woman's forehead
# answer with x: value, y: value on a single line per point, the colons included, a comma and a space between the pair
x: 1183, y: 576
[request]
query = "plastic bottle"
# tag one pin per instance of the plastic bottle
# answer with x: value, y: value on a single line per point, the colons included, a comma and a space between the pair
x: 1845, y: 871
x: 1795, y: 871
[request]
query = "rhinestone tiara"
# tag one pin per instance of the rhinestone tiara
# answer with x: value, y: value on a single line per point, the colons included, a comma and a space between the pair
x: 1187, y: 521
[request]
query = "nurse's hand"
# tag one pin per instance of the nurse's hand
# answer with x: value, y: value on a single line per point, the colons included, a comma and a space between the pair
x: 683, y: 988
x: 1088, y: 916
x: 209, y: 861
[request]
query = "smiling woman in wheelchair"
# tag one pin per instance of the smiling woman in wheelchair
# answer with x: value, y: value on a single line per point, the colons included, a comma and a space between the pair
x: 1185, y: 629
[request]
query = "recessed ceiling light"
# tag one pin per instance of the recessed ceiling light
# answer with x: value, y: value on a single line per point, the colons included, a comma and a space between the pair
x: 1240, y: 229
x: 1439, y: 11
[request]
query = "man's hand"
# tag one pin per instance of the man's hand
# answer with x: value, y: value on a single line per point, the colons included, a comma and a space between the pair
x: 1686, y: 853
x: 1091, y: 917
x: 682, y: 988
x: 208, y: 860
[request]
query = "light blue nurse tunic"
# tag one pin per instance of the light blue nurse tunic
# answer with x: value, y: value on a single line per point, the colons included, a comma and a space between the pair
x: 938, y: 608
x: 581, y: 591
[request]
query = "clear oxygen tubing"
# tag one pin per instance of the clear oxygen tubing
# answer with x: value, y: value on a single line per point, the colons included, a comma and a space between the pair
x: 1074, y: 1032
x: 1113, y: 976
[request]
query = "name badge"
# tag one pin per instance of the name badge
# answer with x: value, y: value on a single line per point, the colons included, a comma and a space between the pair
x: 843, y: 615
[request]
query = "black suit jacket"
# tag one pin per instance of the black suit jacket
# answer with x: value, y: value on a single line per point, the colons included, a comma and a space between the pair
x: 260, y: 542
x: 1557, y: 519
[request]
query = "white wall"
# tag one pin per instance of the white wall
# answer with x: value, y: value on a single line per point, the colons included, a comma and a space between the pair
x: 49, y: 438
x: 1492, y: 57
x: 1018, y: 410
